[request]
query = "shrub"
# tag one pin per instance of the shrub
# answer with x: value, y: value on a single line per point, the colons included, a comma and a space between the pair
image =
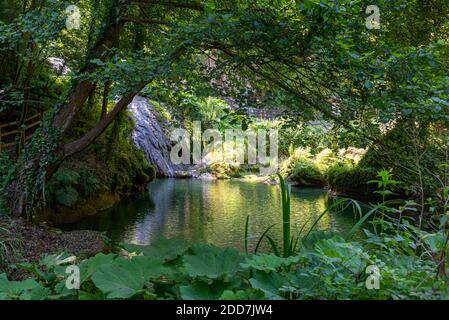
x: 351, y: 180
x: 62, y: 188
x: 10, y: 243
x: 410, y: 151
x: 301, y: 168
x: 306, y: 172
x: 327, y: 267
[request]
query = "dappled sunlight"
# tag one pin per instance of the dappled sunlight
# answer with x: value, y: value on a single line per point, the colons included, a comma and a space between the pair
x: 214, y: 212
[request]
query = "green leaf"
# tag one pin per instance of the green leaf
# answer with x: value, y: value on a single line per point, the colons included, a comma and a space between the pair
x: 66, y: 196
x: 200, y: 290
x: 336, y: 250
x: 269, y: 284
x: 212, y: 262
x: 268, y: 262
x: 83, y: 295
x: 88, y: 267
x: 37, y: 293
x: 12, y: 290
x: 248, y: 294
x: 127, y: 277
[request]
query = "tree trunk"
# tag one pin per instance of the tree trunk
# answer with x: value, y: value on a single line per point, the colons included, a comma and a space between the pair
x: 83, y: 89
x: 79, y: 145
x: 19, y: 195
x: 104, y: 103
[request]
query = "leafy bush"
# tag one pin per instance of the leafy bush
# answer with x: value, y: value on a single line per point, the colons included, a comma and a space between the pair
x: 67, y: 196
x: 222, y: 170
x: 111, y: 164
x: 350, y: 180
x: 62, y: 188
x: 328, y: 267
x: 414, y: 155
x: 304, y: 168
x: 301, y: 168
x: 306, y: 172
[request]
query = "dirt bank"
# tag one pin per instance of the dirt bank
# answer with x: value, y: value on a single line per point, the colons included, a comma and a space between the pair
x: 29, y: 242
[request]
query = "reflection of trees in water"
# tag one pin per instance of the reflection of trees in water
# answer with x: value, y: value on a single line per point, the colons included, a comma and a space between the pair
x: 307, y: 208
x: 149, y: 227
x: 210, y: 211
x: 120, y: 220
x: 177, y: 212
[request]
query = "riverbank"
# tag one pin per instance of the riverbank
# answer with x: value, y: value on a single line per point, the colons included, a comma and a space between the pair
x: 26, y: 242
x: 58, y: 214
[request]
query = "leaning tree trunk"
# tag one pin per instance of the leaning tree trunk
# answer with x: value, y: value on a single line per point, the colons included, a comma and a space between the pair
x: 34, y: 170
x: 20, y: 194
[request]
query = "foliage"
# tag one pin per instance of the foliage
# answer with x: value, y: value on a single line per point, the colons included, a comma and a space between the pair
x: 304, y: 168
x: 222, y: 170
x: 325, y: 266
x: 86, y: 175
x: 10, y: 244
x: 350, y: 180
x: 7, y: 167
x: 316, y: 58
x: 414, y: 155
x: 304, y: 171
x: 328, y: 267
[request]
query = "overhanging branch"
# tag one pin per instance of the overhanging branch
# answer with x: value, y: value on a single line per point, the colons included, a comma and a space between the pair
x: 144, y: 21
x: 80, y: 144
x: 193, y: 5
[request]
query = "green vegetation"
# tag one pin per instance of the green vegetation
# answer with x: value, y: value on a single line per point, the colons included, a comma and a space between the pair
x: 326, y: 267
x: 322, y: 266
x: 361, y: 111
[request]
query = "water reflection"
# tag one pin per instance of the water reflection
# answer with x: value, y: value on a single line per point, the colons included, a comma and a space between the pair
x: 210, y: 211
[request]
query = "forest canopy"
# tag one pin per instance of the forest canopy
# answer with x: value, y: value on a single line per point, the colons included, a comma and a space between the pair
x: 316, y: 57
x: 358, y: 91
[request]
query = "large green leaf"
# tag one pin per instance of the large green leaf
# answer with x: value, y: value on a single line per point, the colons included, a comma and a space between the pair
x: 164, y: 249
x: 88, y: 267
x: 212, y: 262
x: 337, y: 250
x: 200, y: 290
x: 270, y: 284
x: 25, y: 290
x: 126, y: 277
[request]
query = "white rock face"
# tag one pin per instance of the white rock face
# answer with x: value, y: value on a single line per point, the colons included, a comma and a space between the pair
x: 151, y: 139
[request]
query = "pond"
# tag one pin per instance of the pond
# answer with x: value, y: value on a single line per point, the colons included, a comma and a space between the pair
x: 211, y: 211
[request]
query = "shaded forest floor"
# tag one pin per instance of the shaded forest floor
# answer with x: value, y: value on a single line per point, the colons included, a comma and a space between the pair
x: 29, y: 243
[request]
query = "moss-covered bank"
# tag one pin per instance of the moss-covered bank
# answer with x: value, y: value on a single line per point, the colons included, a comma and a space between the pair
x: 98, y: 177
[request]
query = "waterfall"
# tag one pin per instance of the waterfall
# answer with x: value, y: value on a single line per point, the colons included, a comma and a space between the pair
x: 149, y: 136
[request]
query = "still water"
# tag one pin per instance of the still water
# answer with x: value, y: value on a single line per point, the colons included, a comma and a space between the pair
x: 211, y: 211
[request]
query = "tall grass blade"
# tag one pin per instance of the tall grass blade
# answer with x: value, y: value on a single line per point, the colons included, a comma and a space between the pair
x: 274, y: 246
x: 246, y: 234
x: 261, y: 237
x: 285, y: 196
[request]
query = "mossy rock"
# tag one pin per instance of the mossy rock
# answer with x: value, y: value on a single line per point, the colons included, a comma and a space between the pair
x: 351, y: 181
x: 304, y: 172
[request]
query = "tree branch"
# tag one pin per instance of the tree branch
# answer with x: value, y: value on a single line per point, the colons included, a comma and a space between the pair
x: 83, y: 89
x: 80, y: 144
x: 144, y: 21
x: 193, y: 5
